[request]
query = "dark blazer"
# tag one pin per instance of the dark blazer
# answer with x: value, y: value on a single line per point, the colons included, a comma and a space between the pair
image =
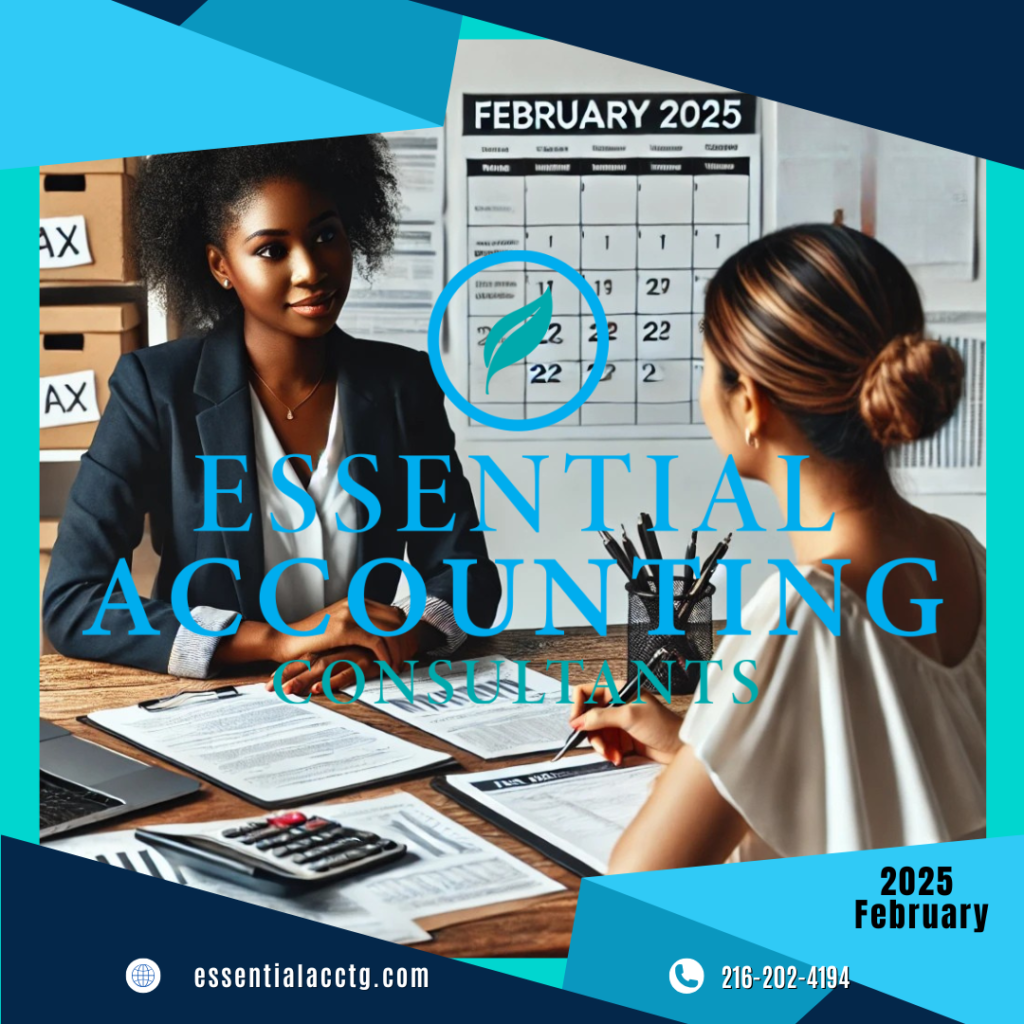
x: 190, y: 397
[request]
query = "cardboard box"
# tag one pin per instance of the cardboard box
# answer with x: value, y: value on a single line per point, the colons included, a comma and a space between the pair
x: 93, y: 249
x: 145, y: 565
x: 47, y: 535
x: 74, y: 340
x: 119, y: 165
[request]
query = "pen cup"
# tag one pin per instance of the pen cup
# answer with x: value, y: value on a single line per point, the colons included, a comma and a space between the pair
x: 696, y: 645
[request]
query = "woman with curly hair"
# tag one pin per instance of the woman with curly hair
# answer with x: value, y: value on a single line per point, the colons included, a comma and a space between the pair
x: 253, y: 249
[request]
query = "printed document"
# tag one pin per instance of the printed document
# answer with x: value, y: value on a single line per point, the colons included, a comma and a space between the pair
x: 272, y: 752
x: 329, y: 904
x: 580, y: 806
x: 448, y: 868
x: 395, y: 306
x: 500, y: 727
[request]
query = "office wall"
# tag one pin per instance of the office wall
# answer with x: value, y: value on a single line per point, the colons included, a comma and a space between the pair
x: 521, y: 65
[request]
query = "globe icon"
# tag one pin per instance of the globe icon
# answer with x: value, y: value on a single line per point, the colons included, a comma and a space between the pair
x: 143, y: 975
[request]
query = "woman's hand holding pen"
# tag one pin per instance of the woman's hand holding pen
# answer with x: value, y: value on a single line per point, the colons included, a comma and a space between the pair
x: 344, y: 639
x: 650, y: 729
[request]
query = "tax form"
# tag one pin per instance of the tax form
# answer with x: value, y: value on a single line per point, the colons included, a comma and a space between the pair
x: 493, y: 725
x: 270, y: 752
x: 395, y: 306
x: 331, y: 905
x: 580, y: 806
x: 447, y: 869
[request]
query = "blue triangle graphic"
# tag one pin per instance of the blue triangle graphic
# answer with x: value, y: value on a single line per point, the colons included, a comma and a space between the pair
x: 137, y: 85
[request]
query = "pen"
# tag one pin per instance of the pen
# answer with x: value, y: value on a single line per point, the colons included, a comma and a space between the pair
x: 648, y: 541
x: 691, y: 551
x: 700, y: 587
x: 631, y: 553
x: 611, y: 545
x: 629, y: 691
x: 718, y: 553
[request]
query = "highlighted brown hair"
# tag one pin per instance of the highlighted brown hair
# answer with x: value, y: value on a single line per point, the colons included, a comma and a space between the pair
x: 829, y: 322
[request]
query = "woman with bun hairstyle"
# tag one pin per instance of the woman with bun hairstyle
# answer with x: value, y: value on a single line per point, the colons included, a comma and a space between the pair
x: 814, y: 346
x: 253, y: 249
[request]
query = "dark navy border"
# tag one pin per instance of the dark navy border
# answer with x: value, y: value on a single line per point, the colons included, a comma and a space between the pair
x: 944, y: 76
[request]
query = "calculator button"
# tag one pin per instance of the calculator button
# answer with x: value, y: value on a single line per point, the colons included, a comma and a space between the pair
x: 325, y: 851
x: 370, y: 837
x: 331, y: 862
x: 285, y: 820
x: 243, y: 830
x: 343, y: 844
x: 388, y: 844
x: 317, y: 854
x: 255, y: 837
x: 271, y: 841
x: 358, y: 853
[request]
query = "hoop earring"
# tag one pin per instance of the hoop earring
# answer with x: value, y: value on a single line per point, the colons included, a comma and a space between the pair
x: 751, y: 439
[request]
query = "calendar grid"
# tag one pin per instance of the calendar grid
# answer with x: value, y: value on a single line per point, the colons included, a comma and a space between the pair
x: 524, y: 285
x: 695, y: 330
x: 636, y: 297
x: 646, y: 219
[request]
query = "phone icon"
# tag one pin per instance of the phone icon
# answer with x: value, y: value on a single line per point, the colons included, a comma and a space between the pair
x: 686, y: 976
x: 681, y: 976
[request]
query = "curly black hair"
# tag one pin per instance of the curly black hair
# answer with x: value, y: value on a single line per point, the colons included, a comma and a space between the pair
x: 184, y: 201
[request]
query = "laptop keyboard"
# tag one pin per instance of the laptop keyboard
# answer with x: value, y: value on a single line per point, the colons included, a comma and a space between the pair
x: 61, y: 801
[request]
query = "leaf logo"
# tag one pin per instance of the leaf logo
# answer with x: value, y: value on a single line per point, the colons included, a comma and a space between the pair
x: 502, y: 348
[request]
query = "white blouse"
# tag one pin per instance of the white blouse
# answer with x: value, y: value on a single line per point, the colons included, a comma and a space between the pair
x: 853, y: 742
x: 302, y: 590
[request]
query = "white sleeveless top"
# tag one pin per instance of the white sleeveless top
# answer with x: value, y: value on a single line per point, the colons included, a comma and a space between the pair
x: 853, y: 742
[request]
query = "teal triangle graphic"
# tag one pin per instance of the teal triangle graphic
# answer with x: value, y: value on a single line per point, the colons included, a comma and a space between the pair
x: 474, y: 28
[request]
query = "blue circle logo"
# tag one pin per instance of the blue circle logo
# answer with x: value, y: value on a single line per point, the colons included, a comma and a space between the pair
x: 535, y: 315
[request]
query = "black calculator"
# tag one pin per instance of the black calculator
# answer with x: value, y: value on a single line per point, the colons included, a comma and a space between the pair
x: 286, y: 853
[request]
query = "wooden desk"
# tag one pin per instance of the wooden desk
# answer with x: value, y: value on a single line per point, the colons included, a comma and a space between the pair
x: 70, y: 688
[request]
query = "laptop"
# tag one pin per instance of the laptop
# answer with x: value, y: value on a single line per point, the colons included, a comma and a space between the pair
x: 81, y: 783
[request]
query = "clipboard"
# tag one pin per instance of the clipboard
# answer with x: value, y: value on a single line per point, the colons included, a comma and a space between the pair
x: 524, y: 835
x: 162, y: 703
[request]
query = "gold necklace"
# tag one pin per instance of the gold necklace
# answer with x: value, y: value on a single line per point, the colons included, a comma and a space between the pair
x: 291, y: 409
